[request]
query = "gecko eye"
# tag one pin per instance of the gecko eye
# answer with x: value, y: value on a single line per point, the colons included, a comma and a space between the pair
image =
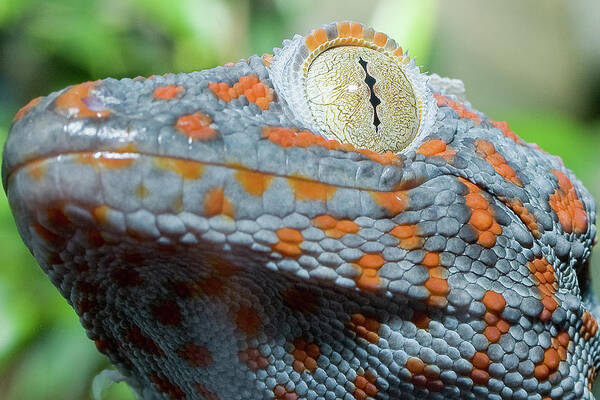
x: 349, y: 83
x: 361, y: 96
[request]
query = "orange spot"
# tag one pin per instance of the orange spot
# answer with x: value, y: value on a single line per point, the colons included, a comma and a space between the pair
x: 482, y: 216
x: 205, y: 393
x: 335, y: 228
x: 315, y: 39
x: 73, y: 100
x: 253, y: 359
x: 553, y: 355
x: 26, y: 108
x: 168, y: 92
x: 589, y: 326
x: 393, y: 202
x: 305, y: 356
x: 255, y: 183
x: 366, y: 328
x: 458, y: 107
x: 380, y: 39
x: 365, y: 386
x: 250, y: 86
x: 544, y: 276
x: 494, y: 301
x: 356, y: 30
x: 488, y: 152
x: 139, y: 339
x: 289, y: 242
x: 107, y: 160
x: 343, y: 29
x: 423, y: 376
x: 281, y: 393
x: 36, y: 169
x: 421, y: 320
x: 525, y: 216
x: 216, y: 203
x: 185, y: 168
x: 437, y: 148
x: 567, y: 206
x: 286, y: 137
x: 247, y: 320
x: 409, y: 236
x: 306, y: 190
x: 196, y: 356
x: 503, y: 126
x: 196, y: 126
x: 398, y: 52
x: 368, y: 265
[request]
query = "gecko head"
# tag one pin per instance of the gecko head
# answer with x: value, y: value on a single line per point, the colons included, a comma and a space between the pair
x: 193, y: 219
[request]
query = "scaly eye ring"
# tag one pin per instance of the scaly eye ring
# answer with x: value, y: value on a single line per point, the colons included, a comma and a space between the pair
x: 349, y: 83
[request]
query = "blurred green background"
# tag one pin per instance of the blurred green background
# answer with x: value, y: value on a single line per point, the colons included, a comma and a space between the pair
x: 535, y: 64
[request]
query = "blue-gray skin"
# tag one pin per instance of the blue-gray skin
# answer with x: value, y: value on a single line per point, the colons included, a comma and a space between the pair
x: 196, y: 298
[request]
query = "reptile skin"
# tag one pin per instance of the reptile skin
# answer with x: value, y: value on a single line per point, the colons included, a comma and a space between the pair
x: 217, y: 243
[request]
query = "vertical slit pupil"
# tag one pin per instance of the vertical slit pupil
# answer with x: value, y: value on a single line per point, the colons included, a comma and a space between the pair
x: 370, y: 81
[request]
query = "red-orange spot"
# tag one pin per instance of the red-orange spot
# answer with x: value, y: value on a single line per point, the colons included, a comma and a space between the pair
x: 503, y: 126
x: 343, y: 29
x: 393, y: 202
x: 488, y: 152
x: 289, y: 242
x: 163, y: 385
x: 380, y: 39
x: 366, y: 328
x: 286, y: 137
x: 26, y: 108
x: 255, y: 183
x: 567, y: 206
x: 356, y: 30
x: 205, y: 393
x: 589, y: 326
x: 167, y: 312
x: 544, y: 276
x: 168, y: 92
x: 409, y: 236
x: 421, y: 320
x: 185, y: 168
x: 216, y: 203
x: 525, y: 216
x: 305, y: 355
x: 364, y: 386
x: 281, y: 393
x: 438, y: 148
x: 553, y: 355
x: 460, y: 108
x: 368, y: 265
x: 482, y: 216
x: 196, y: 356
x: 250, y: 86
x: 334, y: 228
x: 253, y: 359
x: 107, y: 160
x: 247, y: 320
x: 306, y: 190
x: 196, y: 126
x: 315, y: 39
x: 73, y: 101
x: 36, y: 169
x: 139, y: 339
x: 423, y: 376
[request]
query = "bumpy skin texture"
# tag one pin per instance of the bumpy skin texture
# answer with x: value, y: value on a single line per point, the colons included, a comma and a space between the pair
x: 214, y: 249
